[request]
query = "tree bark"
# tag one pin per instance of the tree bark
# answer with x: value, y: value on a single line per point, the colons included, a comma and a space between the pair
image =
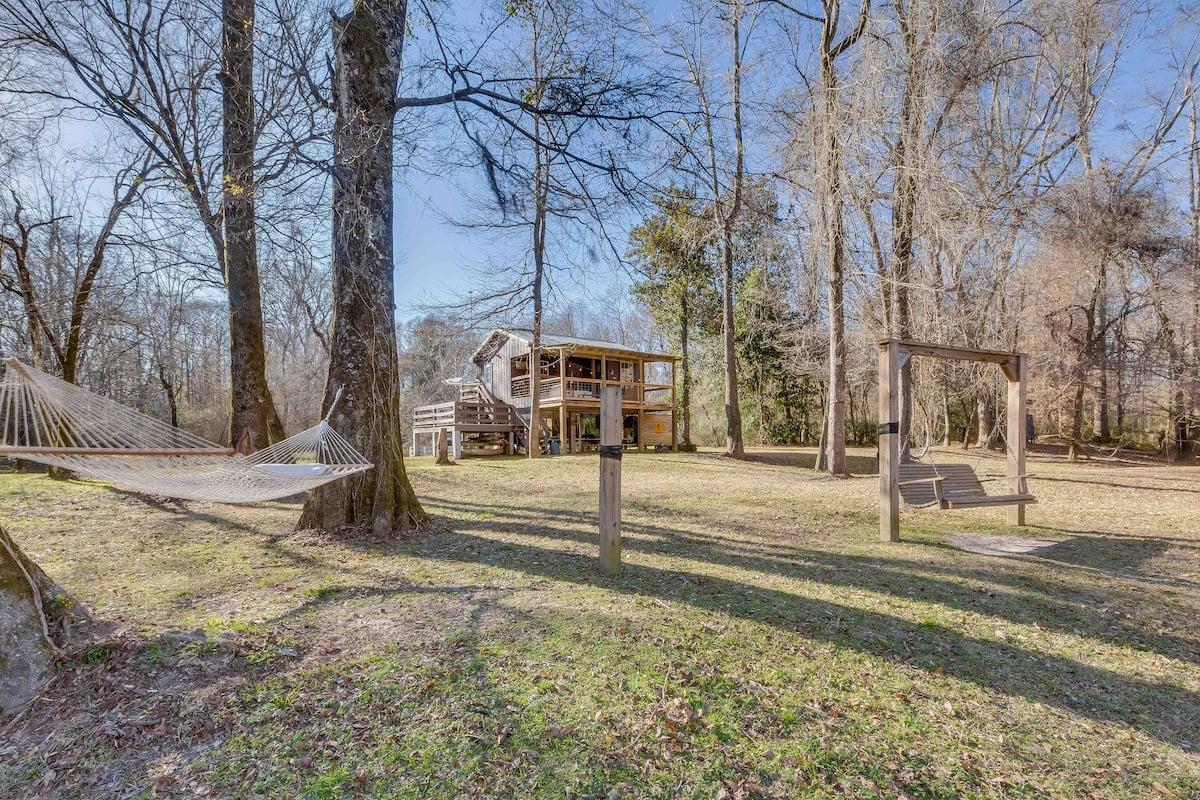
x: 35, y: 615
x: 904, y: 211
x: 835, y: 255
x: 734, y: 443
x: 1100, y: 423
x: 685, y: 366
x: 541, y: 189
x: 367, y: 42
x: 252, y: 414
x: 983, y: 413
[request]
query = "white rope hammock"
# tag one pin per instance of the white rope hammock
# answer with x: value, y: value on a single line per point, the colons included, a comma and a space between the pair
x: 47, y: 420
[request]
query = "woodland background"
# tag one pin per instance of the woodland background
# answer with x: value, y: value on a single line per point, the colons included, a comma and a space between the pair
x: 768, y: 187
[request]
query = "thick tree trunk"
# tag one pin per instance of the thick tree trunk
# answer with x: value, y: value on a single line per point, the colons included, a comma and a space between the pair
x: 252, y: 414
x: 35, y: 616
x: 367, y: 44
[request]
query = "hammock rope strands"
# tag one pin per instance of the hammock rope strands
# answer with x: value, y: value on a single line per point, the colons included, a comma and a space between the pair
x: 47, y: 420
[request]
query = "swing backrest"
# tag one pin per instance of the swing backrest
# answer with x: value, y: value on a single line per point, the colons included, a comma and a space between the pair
x: 919, y: 488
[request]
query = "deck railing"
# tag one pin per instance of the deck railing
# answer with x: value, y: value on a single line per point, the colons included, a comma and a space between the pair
x: 580, y: 389
x: 446, y: 415
x: 551, y: 387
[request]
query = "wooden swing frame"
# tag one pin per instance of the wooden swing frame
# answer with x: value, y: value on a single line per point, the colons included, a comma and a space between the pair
x: 893, y: 354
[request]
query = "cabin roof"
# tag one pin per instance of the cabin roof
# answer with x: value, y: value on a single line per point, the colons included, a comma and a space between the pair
x: 496, y: 339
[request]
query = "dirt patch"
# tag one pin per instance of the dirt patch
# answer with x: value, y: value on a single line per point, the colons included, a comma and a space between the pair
x: 127, y: 711
x: 987, y: 545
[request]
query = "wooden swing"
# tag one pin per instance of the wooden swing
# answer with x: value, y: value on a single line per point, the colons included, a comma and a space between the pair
x: 951, y: 486
x: 945, y: 486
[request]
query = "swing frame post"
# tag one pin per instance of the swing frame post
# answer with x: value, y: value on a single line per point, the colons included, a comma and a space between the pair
x: 893, y: 354
x: 889, y: 441
x: 1017, y: 374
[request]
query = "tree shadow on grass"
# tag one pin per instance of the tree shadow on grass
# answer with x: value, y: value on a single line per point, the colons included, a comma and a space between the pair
x: 1017, y: 596
x: 1166, y: 711
x: 857, y: 465
x: 1114, y: 485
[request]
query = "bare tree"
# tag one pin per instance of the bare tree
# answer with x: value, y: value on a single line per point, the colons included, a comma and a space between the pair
x: 830, y: 217
x: 149, y: 68
x: 57, y: 314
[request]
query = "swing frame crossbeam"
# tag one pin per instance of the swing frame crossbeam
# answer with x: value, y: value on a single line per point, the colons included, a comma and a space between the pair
x: 893, y: 354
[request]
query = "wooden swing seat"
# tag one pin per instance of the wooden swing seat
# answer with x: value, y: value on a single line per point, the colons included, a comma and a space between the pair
x: 947, y: 486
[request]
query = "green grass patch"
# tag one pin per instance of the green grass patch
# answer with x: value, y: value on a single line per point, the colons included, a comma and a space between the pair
x: 760, y: 641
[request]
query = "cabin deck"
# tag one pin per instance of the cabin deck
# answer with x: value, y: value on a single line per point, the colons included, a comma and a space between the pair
x: 569, y: 375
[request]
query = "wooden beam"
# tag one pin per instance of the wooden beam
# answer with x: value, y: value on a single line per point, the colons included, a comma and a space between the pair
x: 1016, y: 438
x: 1003, y: 358
x: 889, y: 441
x: 110, y: 451
x: 610, y: 479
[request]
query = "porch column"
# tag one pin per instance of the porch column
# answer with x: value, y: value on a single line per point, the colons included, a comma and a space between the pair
x: 456, y: 442
x: 563, y: 447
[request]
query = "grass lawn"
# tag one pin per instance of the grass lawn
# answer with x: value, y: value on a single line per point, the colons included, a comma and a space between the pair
x: 760, y: 642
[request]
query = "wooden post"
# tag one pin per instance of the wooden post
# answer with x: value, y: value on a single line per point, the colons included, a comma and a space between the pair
x: 610, y: 479
x: 441, y: 451
x: 456, y: 444
x: 1016, y: 437
x: 563, y: 445
x: 889, y: 441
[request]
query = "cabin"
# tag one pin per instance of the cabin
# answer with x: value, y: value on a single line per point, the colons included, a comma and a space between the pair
x: 492, y: 414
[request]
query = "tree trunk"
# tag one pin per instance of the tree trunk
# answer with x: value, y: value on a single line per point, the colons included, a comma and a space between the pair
x: 945, y: 419
x: 35, y: 616
x: 904, y: 212
x: 685, y: 387
x: 833, y: 233
x: 983, y: 413
x: 734, y: 444
x: 1100, y: 425
x: 541, y: 190
x: 172, y: 397
x: 367, y: 43
x: 252, y: 414
x: 822, y: 462
x: 1076, y: 423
